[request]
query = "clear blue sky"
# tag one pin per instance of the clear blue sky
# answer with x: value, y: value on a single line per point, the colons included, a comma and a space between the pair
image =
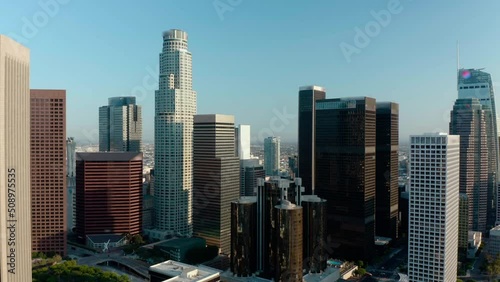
x: 253, y: 58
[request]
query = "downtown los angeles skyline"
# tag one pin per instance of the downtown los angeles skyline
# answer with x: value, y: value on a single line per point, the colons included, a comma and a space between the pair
x: 251, y: 57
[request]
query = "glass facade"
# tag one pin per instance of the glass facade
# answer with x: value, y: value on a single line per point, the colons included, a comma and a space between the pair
x: 345, y: 173
x: 307, y: 115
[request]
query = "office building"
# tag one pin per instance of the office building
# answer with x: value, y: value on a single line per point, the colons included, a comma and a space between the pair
x: 314, y: 230
x: 272, y: 156
x: 286, y: 244
x: 475, y: 83
x: 345, y: 172
x: 468, y: 121
x: 494, y: 242
x: 175, y: 107
x: 242, y: 136
x: 308, y: 95
x: 71, y: 182
x: 434, y: 207
x: 251, y: 170
x: 244, y: 236
x: 108, y: 193
x: 293, y: 169
x: 216, y: 179
x: 387, y: 189
x: 120, y: 126
x: 463, y: 223
x: 48, y: 171
x: 15, y: 196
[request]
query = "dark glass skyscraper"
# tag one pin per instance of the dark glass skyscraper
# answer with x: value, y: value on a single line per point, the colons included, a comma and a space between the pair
x: 315, y: 249
x: 345, y: 172
x: 244, y: 236
x: 468, y: 121
x: 387, y: 197
x: 308, y: 95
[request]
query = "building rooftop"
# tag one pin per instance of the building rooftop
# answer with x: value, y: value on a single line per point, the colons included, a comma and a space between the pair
x: 312, y: 198
x: 495, y: 231
x: 247, y: 200
x: 181, y: 272
x: 109, y: 156
x: 214, y: 118
x: 312, y: 87
x: 287, y: 205
x: 104, y: 238
x: 330, y: 274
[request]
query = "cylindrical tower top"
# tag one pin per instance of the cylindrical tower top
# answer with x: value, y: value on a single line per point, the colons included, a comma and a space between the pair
x: 175, y: 34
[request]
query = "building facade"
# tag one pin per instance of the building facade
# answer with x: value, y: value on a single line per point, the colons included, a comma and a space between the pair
x: 272, y: 156
x: 216, y: 179
x: 48, y: 171
x: 463, y: 223
x: 109, y: 193
x: 243, y: 141
x: 434, y: 207
x: 308, y: 95
x: 387, y: 190
x: 244, y: 236
x: 175, y: 106
x: 15, y: 195
x: 71, y: 182
x: 475, y: 83
x: 345, y: 172
x: 120, y: 125
x: 314, y: 231
x: 251, y: 170
x: 468, y: 120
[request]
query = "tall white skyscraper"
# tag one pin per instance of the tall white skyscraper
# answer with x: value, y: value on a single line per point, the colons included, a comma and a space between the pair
x: 434, y: 207
x: 15, y: 188
x: 175, y: 106
x: 272, y: 155
x: 243, y: 141
x: 120, y: 125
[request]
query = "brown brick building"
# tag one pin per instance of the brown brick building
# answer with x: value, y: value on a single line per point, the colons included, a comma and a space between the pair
x: 48, y: 170
x: 108, y: 193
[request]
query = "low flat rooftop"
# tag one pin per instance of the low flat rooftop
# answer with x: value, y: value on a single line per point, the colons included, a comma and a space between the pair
x: 181, y: 272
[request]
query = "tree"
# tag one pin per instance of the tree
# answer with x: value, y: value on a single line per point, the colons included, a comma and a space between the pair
x: 360, y: 271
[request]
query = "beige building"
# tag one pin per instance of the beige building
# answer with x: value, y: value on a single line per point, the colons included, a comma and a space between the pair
x: 15, y: 194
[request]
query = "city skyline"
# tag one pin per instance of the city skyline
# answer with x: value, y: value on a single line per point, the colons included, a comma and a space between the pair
x: 398, y: 47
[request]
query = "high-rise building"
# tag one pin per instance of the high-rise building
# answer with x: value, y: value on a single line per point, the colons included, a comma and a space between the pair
x: 71, y: 182
x: 475, y: 83
x: 314, y: 231
x: 216, y: 179
x: 175, y: 106
x: 468, y: 121
x: 15, y: 196
x: 109, y: 193
x: 272, y: 156
x: 243, y: 141
x: 244, y: 236
x: 308, y: 95
x: 48, y: 171
x: 434, y: 207
x: 463, y: 223
x: 120, y: 125
x: 286, y: 244
x: 345, y: 172
x: 251, y: 170
x: 387, y: 189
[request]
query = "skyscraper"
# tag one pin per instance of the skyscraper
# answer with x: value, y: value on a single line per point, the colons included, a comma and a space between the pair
x: 120, y: 125
x: 244, y: 236
x: 48, y: 171
x: 345, y: 172
x: 475, y: 83
x: 109, y: 193
x: 468, y: 121
x: 308, y: 95
x: 71, y: 181
x: 314, y: 239
x: 243, y: 141
x: 434, y: 207
x: 216, y: 179
x: 175, y: 106
x: 251, y: 170
x: 15, y: 195
x: 272, y: 156
x: 387, y: 190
